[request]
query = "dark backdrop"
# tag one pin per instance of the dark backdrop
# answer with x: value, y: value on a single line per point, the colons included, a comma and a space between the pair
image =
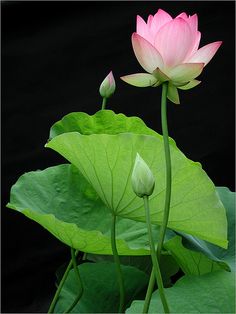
x: 54, y: 57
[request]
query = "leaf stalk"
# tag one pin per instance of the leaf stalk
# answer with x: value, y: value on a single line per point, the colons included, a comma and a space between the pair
x: 76, y: 270
x: 58, y: 291
x: 120, y: 278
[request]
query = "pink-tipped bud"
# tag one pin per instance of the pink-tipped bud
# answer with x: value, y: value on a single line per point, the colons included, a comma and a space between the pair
x: 108, y: 86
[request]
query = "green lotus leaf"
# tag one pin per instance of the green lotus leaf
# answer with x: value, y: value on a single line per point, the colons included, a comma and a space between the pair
x: 101, y: 291
x: 191, y: 262
x: 62, y: 201
x: 168, y: 265
x: 209, y: 293
x: 106, y: 161
x: 102, y: 122
x: 222, y: 257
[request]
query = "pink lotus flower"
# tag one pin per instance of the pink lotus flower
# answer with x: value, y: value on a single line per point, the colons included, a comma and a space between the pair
x: 167, y: 49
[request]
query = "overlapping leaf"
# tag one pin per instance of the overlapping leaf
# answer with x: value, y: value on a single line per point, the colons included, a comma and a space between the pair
x: 191, y: 262
x: 168, y: 265
x: 106, y: 161
x: 209, y: 293
x: 101, y: 291
x: 224, y: 258
x: 102, y: 122
x: 62, y: 201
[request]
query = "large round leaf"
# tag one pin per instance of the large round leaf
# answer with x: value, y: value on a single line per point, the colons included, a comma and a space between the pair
x: 106, y: 161
x: 62, y: 201
x: 102, y: 122
x: 101, y: 291
x: 209, y: 293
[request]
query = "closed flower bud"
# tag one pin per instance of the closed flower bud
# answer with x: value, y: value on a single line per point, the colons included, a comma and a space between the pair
x: 142, y: 179
x: 108, y: 86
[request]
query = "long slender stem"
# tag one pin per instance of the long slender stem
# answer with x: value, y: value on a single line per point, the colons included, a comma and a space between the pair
x: 168, y: 169
x: 155, y: 263
x: 54, y: 301
x: 104, y: 102
x: 76, y: 270
x: 117, y: 263
x: 149, y: 292
x: 167, y: 195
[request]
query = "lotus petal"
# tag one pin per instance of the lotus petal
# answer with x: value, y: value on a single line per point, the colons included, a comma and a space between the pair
x: 185, y: 72
x: 160, y: 19
x: 140, y: 79
x: 143, y: 30
x: 205, y: 54
x: 147, y: 55
x: 174, y: 40
x: 173, y: 94
x: 190, y: 85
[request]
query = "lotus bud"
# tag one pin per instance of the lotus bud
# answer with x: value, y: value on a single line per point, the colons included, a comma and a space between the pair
x: 142, y: 179
x: 108, y: 86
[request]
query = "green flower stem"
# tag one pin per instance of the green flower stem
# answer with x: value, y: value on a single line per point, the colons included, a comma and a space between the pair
x: 54, y: 301
x: 155, y: 262
x: 76, y: 270
x: 167, y: 196
x: 117, y: 263
x: 104, y: 102
x: 149, y: 292
x: 168, y: 168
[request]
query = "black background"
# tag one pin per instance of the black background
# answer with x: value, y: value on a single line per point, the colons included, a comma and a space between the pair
x: 54, y: 57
